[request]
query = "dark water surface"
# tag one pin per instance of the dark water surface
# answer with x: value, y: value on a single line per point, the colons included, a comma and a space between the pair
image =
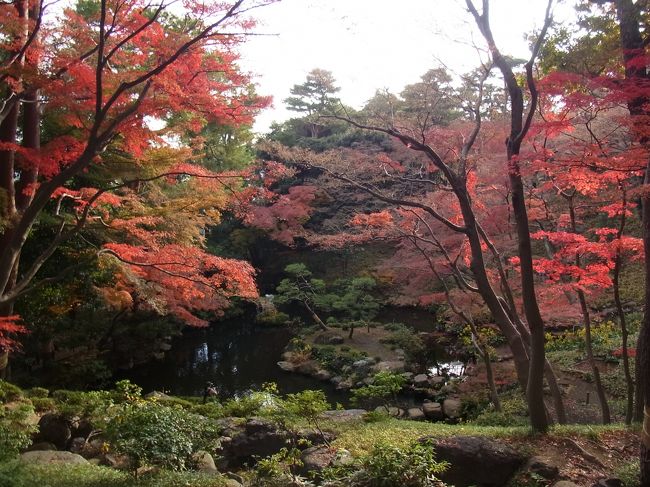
x: 238, y: 356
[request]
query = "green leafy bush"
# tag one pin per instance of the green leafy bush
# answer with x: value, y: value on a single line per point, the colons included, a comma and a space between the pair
x: 245, y: 406
x: 605, y: 337
x: 389, y: 466
x: 9, y: 392
x: 94, y: 405
x: 514, y: 412
x: 43, y: 404
x: 278, y: 470
x: 15, y: 429
x: 385, y: 387
x: 271, y: 317
x: 334, y: 359
x: 39, y: 392
x: 153, y: 434
x: 212, y: 410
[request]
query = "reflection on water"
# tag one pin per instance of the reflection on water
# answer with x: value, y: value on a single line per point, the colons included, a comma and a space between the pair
x: 236, y: 357
x: 453, y: 368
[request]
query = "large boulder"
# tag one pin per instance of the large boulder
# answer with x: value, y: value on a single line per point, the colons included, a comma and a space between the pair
x: 315, y: 459
x: 475, y: 460
x: 286, y: 366
x: 204, y: 462
x: 50, y: 456
x: 421, y: 380
x: 54, y: 429
x: 433, y: 410
x: 309, y: 367
x: 415, y: 414
x: 452, y: 408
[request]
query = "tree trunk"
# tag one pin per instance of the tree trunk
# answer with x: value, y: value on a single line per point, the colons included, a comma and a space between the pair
x: 316, y: 318
x: 485, y: 355
x: 618, y: 262
x: 600, y: 391
x: 633, y: 46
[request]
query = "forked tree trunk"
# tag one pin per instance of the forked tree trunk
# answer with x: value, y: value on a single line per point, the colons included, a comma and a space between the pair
x: 518, y: 129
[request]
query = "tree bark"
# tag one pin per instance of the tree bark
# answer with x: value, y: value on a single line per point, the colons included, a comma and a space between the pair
x: 618, y: 263
x: 633, y: 46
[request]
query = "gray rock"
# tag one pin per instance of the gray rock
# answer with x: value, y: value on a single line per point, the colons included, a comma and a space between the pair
x: 49, y: 457
x: 323, y: 375
x: 437, y: 381
x: 344, y: 385
x: 390, y: 411
x: 421, y: 380
x: 231, y: 483
x: 415, y: 414
x: 451, y: 408
x: 542, y: 467
x: 158, y: 396
x: 396, y: 366
x: 287, y: 356
x: 565, y: 483
x: 286, y: 366
x: 204, y: 462
x: 476, y: 460
x: 344, y: 415
x: 407, y: 375
x: 342, y: 458
x: 307, y: 368
x: 336, y: 340
x: 433, y: 411
x: 316, y: 458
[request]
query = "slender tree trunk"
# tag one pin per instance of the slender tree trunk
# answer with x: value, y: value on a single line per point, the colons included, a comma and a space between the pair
x: 618, y: 262
x: 600, y: 390
x: 316, y: 318
x: 485, y: 355
x: 586, y: 318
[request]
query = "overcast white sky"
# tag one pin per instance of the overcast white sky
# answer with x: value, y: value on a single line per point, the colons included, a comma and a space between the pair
x: 374, y: 44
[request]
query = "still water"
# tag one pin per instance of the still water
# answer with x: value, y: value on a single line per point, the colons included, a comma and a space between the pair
x: 238, y: 356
